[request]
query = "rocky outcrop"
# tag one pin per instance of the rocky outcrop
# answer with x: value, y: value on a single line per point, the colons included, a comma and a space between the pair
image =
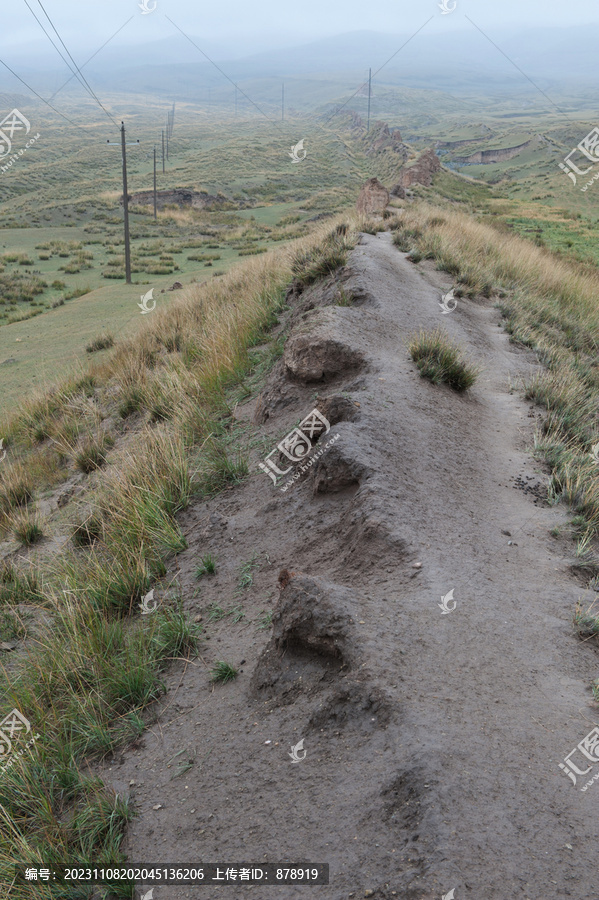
x: 356, y: 123
x: 381, y: 137
x: 182, y: 198
x: 450, y: 145
x: 398, y: 191
x: 422, y: 171
x: 374, y: 197
x: 485, y: 157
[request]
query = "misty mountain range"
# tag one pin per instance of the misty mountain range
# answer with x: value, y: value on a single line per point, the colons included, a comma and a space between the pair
x: 455, y: 60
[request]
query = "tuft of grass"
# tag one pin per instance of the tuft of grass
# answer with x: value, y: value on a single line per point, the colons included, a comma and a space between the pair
x: 265, y: 621
x: 18, y: 586
x: 103, y: 342
x: 86, y: 533
x: 344, y: 298
x: 325, y: 258
x: 207, y: 566
x: 586, y: 622
x: 16, y: 487
x: 440, y: 361
x: 246, y: 573
x: 92, y: 453
x: 217, y: 470
x: 223, y: 672
x: 27, y: 529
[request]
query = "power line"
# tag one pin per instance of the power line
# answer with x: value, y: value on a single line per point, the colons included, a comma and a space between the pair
x: 52, y: 42
x: 92, y: 92
x: 91, y: 57
x: 418, y: 30
x: 522, y: 72
x: 80, y: 75
x: 211, y: 61
x: 39, y: 96
x: 83, y: 81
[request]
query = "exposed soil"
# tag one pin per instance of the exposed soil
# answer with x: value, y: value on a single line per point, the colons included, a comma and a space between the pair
x: 432, y: 741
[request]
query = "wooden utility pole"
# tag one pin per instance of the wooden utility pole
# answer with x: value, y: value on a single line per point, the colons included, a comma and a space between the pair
x: 369, y: 91
x: 167, y: 143
x: 163, y: 152
x: 123, y: 144
x: 155, y: 214
x: 235, y: 101
x: 283, y: 102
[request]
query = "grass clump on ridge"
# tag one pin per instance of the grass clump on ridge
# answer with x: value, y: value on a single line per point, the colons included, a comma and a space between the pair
x: 324, y: 258
x: 440, y: 361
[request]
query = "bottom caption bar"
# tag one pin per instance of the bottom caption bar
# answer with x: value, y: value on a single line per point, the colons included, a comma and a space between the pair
x: 178, y: 873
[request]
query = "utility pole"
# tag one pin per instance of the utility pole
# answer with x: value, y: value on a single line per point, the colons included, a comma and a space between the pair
x: 235, y: 101
x: 155, y: 216
x: 123, y: 144
x: 167, y: 143
x: 369, y: 91
x: 283, y: 102
x: 163, y: 151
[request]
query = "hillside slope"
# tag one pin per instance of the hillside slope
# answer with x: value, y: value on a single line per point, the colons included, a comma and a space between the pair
x: 432, y: 741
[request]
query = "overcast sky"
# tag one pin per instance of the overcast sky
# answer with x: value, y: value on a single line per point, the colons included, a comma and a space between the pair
x: 239, y: 24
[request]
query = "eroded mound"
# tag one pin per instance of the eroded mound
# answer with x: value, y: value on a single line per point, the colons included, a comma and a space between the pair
x: 321, y: 349
x: 313, y: 638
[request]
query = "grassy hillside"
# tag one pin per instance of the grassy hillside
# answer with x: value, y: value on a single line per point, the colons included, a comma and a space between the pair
x: 141, y: 434
x: 61, y: 234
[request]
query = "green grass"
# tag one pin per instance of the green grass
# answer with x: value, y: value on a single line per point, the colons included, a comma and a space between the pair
x: 93, y: 451
x: 103, y: 342
x: 18, y: 585
x: 27, y: 529
x: 223, y: 672
x: 440, y: 361
x: 246, y: 573
x: 207, y: 566
x: 265, y: 621
x: 311, y: 265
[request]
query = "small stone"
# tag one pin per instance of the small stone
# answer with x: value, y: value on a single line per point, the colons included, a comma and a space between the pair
x: 569, y: 846
x: 268, y: 742
x: 198, y: 618
x: 132, y: 782
x: 369, y: 893
x: 417, y: 565
x: 507, y: 533
x: 362, y: 622
x: 158, y: 806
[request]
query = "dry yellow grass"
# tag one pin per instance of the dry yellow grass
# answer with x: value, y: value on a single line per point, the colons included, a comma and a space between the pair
x: 550, y: 304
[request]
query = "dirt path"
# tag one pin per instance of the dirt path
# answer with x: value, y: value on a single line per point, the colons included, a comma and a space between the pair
x: 432, y: 741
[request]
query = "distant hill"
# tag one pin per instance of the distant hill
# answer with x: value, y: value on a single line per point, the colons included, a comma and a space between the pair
x: 460, y: 59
